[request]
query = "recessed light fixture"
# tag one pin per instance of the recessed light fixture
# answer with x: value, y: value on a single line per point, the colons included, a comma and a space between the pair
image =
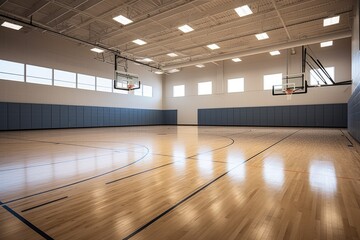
x: 331, y: 21
x: 139, y: 42
x: 243, y: 11
x: 274, y: 53
x: 144, y: 60
x: 200, y: 65
x: 123, y: 20
x: 213, y: 46
x: 172, y: 54
x: 174, y: 70
x: 159, y: 72
x: 11, y: 26
x: 97, y: 50
x: 326, y: 44
x: 236, y: 60
x: 185, y: 28
x: 262, y: 36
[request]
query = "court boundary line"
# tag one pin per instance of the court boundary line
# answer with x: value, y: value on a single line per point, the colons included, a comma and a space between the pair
x: 343, y: 134
x: 26, y: 222
x: 43, y: 204
x: 138, y: 230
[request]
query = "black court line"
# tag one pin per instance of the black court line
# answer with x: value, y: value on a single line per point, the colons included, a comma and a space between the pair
x: 213, y: 150
x: 77, y: 182
x: 29, y: 224
x: 199, y: 190
x: 135, y: 174
x: 43, y: 204
x: 151, y: 169
x: 351, y: 143
x: 233, y: 141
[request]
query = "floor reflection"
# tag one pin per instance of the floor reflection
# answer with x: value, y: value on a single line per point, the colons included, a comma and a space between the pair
x: 273, y: 171
x: 322, y: 176
x: 206, y: 166
x: 234, y: 158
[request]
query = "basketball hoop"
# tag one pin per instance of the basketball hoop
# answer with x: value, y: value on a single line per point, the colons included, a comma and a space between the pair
x: 289, y: 92
x: 130, y: 86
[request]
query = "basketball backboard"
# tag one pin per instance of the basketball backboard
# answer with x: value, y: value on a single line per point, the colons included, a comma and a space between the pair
x: 291, y: 84
x: 126, y: 81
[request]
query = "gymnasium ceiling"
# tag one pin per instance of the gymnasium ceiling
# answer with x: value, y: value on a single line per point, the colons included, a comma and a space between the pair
x: 157, y: 21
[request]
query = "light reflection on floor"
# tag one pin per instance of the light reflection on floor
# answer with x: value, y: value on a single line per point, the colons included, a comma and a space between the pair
x: 273, y: 171
x: 322, y: 176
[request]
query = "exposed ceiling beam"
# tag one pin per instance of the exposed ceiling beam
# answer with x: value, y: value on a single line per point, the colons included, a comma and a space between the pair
x: 2, y: 2
x: 36, y: 7
x: 281, y: 19
x: 286, y: 45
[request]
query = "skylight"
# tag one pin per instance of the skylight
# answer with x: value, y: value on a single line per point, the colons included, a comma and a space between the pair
x: 274, y: 53
x: 172, y: 54
x: 331, y: 21
x: 97, y: 50
x: 123, y: 20
x: 262, y: 36
x: 139, y: 42
x: 185, y: 28
x: 243, y: 11
x: 326, y: 44
x: 11, y: 26
x: 213, y: 46
x: 236, y: 60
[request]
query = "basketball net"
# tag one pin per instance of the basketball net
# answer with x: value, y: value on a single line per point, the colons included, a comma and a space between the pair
x: 289, y: 92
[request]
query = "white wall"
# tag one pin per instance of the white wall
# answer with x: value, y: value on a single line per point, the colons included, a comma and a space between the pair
x: 47, y: 50
x: 252, y: 69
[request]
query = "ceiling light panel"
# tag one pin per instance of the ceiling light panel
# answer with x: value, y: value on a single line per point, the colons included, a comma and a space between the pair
x: 213, y: 46
x: 144, y: 60
x: 274, y: 53
x: 139, y: 42
x: 11, y: 26
x: 172, y: 54
x: 243, y: 11
x: 174, y: 70
x: 97, y: 50
x: 331, y: 21
x: 262, y: 36
x: 236, y: 60
x: 326, y: 44
x: 185, y: 28
x: 123, y: 20
x: 200, y: 65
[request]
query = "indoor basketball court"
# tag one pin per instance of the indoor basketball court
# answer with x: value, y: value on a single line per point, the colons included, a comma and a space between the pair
x: 187, y: 119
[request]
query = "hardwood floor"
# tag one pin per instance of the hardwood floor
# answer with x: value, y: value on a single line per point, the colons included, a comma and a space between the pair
x: 168, y: 182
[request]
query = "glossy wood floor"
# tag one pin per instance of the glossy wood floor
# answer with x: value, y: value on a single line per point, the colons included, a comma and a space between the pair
x: 168, y: 182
